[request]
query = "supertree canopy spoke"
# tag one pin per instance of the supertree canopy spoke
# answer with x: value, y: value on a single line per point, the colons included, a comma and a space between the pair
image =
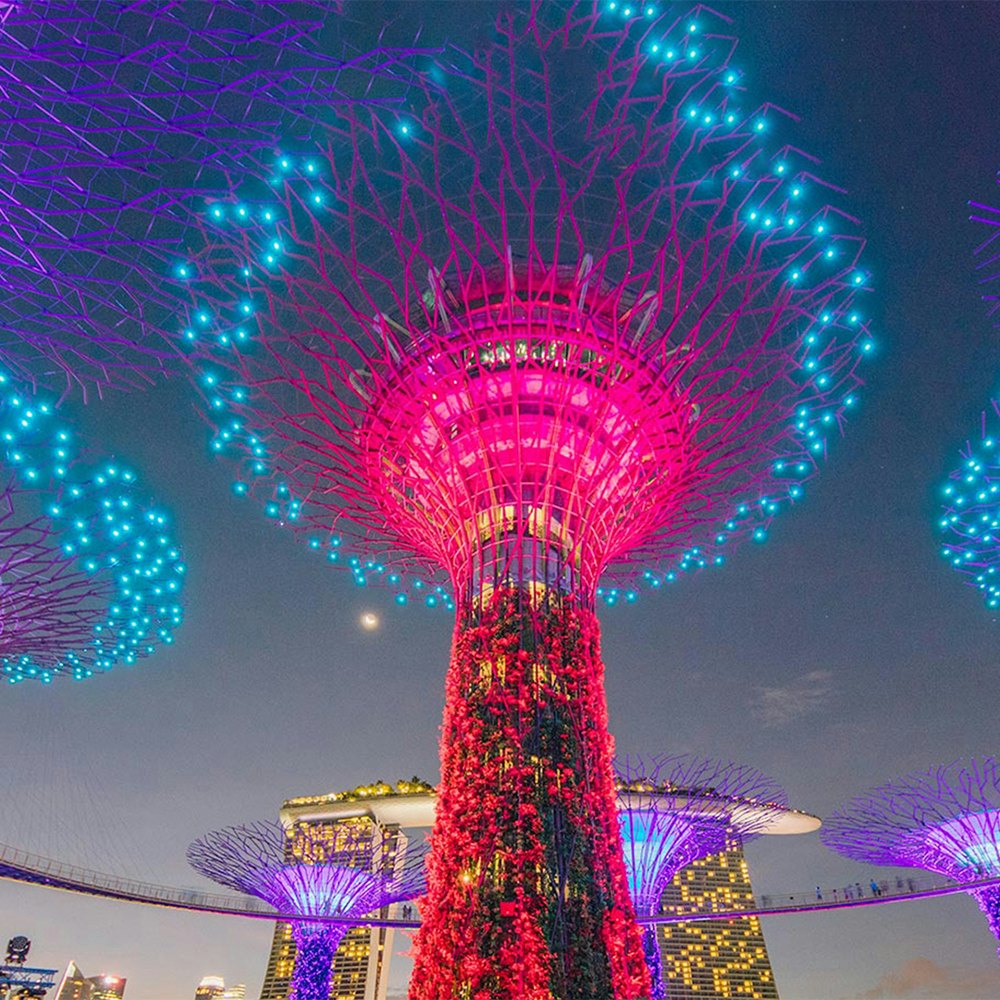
x: 565, y: 323
x: 674, y: 810
x: 110, y: 113
x: 988, y: 253
x: 945, y: 820
x: 311, y: 872
x: 90, y: 574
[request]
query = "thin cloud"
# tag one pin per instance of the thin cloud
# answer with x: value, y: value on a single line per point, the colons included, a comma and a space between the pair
x: 922, y: 979
x: 778, y: 706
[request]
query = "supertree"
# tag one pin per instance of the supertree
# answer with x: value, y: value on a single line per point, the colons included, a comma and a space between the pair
x: 90, y: 573
x: 945, y: 820
x: 306, y: 871
x: 677, y: 809
x: 110, y: 114
x: 567, y: 324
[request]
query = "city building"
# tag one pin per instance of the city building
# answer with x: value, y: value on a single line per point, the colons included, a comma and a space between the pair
x: 361, y: 965
x: 714, y: 958
x: 210, y: 988
x: 76, y: 986
x: 215, y: 988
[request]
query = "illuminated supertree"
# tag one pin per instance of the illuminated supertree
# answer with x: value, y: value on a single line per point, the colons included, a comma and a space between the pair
x: 674, y: 810
x: 109, y: 114
x: 313, y: 872
x: 90, y: 574
x: 566, y: 327
x: 945, y: 820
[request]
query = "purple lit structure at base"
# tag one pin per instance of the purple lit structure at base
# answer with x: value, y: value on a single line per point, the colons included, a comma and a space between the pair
x: 676, y: 809
x: 304, y: 870
x: 945, y: 820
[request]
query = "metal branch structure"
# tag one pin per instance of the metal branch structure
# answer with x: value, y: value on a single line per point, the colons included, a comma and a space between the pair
x: 90, y: 573
x: 110, y: 114
x: 569, y: 323
x: 988, y: 253
x: 969, y: 524
x: 945, y: 820
x: 302, y: 870
x: 674, y: 810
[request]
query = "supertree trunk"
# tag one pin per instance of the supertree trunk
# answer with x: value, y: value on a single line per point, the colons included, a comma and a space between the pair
x: 651, y: 949
x: 989, y: 902
x: 314, y: 951
x: 527, y: 892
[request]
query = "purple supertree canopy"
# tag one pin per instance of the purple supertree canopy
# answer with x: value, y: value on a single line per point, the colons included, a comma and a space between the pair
x: 676, y: 809
x: 110, y: 115
x: 91, y: 575
x: 47, y: 603
x: 362, y: 303
x: 314, y: 871
x: 945, y: 820
x: 970, y: 521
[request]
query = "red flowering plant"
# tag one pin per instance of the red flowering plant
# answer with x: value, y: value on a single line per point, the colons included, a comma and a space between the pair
x: 527, y: 884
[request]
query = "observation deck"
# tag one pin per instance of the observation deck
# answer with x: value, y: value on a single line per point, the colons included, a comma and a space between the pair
x: 527, y: 438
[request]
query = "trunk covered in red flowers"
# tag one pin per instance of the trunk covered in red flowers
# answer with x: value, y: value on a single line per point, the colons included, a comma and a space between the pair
x: 527, y: 894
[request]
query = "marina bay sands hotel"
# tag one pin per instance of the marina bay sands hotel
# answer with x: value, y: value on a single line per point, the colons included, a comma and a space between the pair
x: 701, y: 960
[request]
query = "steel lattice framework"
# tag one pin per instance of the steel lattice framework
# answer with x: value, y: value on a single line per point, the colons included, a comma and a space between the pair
x: 568, y: 320
x: 90, y: 571
x: 305, y: 870
x: 47, y: 604
x: 945, y: 820
x: 970, y: 518
x: 674, y: 810
x: 110, y: 114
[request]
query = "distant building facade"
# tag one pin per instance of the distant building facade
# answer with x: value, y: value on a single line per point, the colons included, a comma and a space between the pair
x: 210, y: 988
x: 711, y: 959
x: 361, y: 966
x: 76, y: 986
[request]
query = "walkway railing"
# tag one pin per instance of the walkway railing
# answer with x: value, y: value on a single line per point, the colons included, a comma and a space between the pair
x: 21, y: 866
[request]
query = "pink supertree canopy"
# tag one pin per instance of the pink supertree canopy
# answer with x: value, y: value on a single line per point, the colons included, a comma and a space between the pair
x: 944, y: 820
x: 625, y: 276
x: 568, y: 318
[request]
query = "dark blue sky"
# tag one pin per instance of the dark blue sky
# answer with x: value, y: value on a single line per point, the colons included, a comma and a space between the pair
x: 840, y: 653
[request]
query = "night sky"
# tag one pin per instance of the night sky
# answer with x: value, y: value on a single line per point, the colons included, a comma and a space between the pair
x: 837, y: 655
